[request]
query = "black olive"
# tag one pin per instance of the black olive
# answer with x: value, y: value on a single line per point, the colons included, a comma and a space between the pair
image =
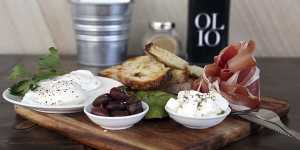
x: 102, y: 100
x: 100, y: 111
x: 135, y: 108
x: 139, y: 110
x: 115, y: 105
x: 118, y: 94
x: 132, y: 99
x: 118, y: 102
x: 118, y: 113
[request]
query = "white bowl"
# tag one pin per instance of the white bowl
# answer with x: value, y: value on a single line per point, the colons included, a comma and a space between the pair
x: 198, y: 122
x: 116, y: 123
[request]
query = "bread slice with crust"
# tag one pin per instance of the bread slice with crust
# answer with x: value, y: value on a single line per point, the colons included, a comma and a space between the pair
x: 174, y: 76
x: 111, y: 72
x: 178, y: 76
x: 195, y: 71
x: 166, y: 57
x: 142, y: 73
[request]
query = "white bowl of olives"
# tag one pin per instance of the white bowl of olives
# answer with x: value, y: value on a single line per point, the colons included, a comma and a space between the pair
x: 116, y: 110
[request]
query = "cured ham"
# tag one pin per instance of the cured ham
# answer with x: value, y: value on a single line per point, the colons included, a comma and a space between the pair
x: 235, y: 75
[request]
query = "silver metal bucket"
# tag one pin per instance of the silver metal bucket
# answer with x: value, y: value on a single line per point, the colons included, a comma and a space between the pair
x: 108, y: 30
x: 101, y: 30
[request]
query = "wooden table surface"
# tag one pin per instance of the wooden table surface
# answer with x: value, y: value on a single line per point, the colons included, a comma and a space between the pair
x: 280, y: 77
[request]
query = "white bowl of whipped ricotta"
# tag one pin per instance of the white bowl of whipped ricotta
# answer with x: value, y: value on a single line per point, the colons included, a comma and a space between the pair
x: 198, y: 110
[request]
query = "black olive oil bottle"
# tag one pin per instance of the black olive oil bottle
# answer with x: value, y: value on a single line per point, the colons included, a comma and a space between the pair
x: 208, y: 25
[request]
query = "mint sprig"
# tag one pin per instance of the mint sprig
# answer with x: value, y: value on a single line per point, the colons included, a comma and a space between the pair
x: 49, y: 62
x: 48, y: 67
x: 19, y: 72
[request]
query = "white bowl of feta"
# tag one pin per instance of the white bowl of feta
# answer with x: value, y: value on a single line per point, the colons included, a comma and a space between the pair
x: 198, y: 110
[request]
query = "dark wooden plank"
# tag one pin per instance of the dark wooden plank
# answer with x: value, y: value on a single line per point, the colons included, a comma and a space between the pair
x: 148, y: 133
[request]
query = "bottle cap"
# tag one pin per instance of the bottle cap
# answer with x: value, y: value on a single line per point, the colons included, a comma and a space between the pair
x: 101, y: 1
x: 162, y: 26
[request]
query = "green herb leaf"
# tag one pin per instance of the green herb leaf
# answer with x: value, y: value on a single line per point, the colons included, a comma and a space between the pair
x: 50, y: 61
x: 156, y: 101
x: 20, y: 88
x: 47, y: 68
x: 19, y: 72
x: 44, y: 75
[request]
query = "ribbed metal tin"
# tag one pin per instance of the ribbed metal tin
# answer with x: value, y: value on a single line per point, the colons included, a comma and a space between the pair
x: 101, y: 29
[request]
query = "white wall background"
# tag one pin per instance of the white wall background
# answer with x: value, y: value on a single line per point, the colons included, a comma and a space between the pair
x: 31, y: 26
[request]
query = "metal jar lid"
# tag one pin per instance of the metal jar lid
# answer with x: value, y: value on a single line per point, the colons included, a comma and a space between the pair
x: 101, y: 1
x: 162, y: 26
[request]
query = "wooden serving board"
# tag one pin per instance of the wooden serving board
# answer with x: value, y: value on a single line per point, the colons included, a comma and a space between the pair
x: 150, y: 134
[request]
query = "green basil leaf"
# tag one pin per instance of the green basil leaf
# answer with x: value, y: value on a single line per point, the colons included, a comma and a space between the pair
x: 156, y: 101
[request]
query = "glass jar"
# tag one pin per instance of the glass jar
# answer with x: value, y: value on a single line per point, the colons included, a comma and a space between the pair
x: 165, y: 36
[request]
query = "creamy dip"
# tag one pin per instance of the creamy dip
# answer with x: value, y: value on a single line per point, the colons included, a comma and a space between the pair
x: 196, y: 104
x: 68, y: 89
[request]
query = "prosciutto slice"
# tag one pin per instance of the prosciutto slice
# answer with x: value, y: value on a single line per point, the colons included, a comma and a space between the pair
x: 235, y: 75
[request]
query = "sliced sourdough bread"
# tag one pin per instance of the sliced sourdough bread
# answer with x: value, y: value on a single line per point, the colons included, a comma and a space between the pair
x: 166, y: 57
x: 178, y: 76
x: 142, y: 73
x: 195, y: 71
x: 159, y: 68
x: 111, y: 72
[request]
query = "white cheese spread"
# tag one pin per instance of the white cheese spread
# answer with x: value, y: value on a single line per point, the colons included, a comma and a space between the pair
x: 196, y: 104
x: 68, y: 89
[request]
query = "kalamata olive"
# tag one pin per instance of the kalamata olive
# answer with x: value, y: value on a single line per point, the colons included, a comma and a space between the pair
x: 115, y: 105
x: 132, y: 99
x: 116, y: 113
x: 100, y: 111
x: 135, y: 108
x: 103, y: 99
x: 139, y: 110
x: 118, y: 94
